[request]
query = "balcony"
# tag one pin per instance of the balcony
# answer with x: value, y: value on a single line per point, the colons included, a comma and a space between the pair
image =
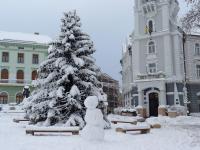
x: 158, y: 75
x: 18, y: 82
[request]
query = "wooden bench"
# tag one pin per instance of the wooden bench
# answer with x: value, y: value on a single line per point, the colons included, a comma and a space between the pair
x: 143, y: 130
x: 20, y: 120
x: 73, y: 130
x: 120, y: 121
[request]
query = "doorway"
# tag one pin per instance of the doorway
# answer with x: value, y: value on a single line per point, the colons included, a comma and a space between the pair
x: 153, y: 104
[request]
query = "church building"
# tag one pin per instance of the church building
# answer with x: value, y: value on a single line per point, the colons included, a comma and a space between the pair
x: 160, y: 63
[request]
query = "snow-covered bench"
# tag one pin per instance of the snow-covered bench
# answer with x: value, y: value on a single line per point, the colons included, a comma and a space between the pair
x: 121, y: 121
x: 20, y: 120
x: 142, y: 129
x: 33, y: 130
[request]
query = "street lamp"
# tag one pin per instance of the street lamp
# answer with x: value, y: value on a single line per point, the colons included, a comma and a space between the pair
x: 185, y: 93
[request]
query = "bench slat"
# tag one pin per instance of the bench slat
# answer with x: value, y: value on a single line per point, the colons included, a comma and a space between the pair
x: 118, y: 121
x: 142, y: 130
x: 32, y: 131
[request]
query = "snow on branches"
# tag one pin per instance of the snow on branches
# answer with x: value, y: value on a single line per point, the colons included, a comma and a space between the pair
x: 192, y: 19
x: 66, y: 78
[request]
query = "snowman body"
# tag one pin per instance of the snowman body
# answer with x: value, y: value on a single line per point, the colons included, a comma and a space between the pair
x: 94, y: 129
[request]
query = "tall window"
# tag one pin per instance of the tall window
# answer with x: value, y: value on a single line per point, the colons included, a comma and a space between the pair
x: 19, y: 98
x: 35, y: 59
x: 20, y: 76
x: 150, y: 24
x: 20, y: 58
x: 198, y: 71
x: 3, y: 98
x: 34, y: 75
x: 197, y: 49
x: 152, y: 68
x: 4, y: 75
x: 151, y: 47
x: 5, y: 57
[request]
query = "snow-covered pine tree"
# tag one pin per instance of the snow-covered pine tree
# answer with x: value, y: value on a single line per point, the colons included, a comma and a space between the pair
x: 66, y: 78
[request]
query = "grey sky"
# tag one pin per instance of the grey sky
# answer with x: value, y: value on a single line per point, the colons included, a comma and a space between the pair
x: 107, y: 21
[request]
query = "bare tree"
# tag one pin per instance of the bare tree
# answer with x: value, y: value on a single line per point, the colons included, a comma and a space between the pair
x: 192, y: 18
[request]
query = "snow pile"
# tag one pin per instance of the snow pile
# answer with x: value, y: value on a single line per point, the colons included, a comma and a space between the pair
x: 181, y: 110
x: 123, y: 118
x: 178, y: 121
x: 195, y: 114
x: 94, y: 129
x: 119, y: 110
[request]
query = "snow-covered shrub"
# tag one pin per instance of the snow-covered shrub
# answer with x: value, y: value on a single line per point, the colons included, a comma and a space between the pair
x: 121, y: 110
x: 66, y: 78
x: 181, y: 110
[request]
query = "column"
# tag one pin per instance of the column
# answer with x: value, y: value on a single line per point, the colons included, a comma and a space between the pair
x: 168, y: 55
x: 162, y: 98
x: 140, y: 98
x: 177, y: 50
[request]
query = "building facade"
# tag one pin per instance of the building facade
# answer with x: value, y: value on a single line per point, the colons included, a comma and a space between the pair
x: 159, y: 67
x: 111, y: 88
x: 20, y: 56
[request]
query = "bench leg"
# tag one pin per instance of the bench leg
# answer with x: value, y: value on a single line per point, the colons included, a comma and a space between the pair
x: 75, y: 133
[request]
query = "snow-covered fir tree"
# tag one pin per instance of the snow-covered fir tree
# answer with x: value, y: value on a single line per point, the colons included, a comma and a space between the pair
x: 66, y: 78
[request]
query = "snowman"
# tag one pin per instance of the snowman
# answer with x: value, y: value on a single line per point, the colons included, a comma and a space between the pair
x: 94, y: 129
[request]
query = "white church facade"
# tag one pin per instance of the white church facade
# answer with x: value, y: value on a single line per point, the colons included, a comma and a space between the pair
x: 160, y: 64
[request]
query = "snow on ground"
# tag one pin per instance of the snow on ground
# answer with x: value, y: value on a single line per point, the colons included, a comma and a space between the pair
x: 176, y: 134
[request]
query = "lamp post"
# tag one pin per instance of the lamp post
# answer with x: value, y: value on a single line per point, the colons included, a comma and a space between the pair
x: 185, y: 93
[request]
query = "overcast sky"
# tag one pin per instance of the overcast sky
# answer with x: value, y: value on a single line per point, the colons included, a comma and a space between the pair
x: 108, y: 22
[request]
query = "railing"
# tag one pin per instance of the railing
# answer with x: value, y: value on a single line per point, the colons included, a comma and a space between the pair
x: 15, y: 81
x: 151, y: 76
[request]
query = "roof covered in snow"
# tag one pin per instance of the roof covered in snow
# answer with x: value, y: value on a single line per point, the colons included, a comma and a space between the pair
x: 195, y: 31
x: 24, y: 37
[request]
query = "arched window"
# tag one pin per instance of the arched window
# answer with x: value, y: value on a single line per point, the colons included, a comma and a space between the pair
x: 19, y: 97
x: 151, y: 47
x: 197, y: 49
x: 4, y: 75
x: 20, y: 76
x: 34, y: 75
x: 3, y: 98
x: 150, y: 24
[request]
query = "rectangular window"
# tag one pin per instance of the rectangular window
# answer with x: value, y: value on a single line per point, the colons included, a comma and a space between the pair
x: 152, y: 68
x: 20, y: 58
x: 198, y: 71
x: 35, y: 59
x: 5, y: 57
x: 197, y: 49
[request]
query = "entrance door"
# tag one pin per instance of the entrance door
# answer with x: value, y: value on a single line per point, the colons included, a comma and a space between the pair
x: 153, y: 104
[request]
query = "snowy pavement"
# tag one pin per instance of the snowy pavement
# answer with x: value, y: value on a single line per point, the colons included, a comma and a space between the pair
x: 176, y: 134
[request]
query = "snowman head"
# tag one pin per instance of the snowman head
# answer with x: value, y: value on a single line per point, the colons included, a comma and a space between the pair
x: 91, y: 102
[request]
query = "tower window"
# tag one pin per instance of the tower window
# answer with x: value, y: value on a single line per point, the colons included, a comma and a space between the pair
x: 152, y: 67
x: 150, y: 24
x: 151, y: 47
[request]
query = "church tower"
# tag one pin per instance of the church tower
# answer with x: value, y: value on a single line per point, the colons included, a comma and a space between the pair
x: 157, y: 57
